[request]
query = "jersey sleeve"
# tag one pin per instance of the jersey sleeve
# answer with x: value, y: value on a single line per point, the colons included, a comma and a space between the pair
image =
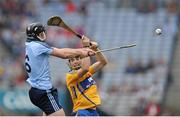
x: 91, y: 70
x: 42, y: 49
x: 89, y: 73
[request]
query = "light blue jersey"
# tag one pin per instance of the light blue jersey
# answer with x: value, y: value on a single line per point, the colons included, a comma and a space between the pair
x: 37, y: 64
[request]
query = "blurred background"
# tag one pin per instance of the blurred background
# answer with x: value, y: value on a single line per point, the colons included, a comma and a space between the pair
x: 143, y: 80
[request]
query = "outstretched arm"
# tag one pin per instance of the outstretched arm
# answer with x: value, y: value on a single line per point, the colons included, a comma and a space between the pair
x: 66, y: 53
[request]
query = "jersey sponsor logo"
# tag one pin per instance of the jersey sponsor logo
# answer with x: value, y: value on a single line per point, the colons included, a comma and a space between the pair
x: 87, y: 83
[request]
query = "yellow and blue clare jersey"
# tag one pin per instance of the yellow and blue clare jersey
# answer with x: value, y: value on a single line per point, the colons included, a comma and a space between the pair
x: 83, y: 90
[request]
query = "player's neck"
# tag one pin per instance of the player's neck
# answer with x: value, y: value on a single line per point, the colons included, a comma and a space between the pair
x: 33, y: 39
x: 74, y: 71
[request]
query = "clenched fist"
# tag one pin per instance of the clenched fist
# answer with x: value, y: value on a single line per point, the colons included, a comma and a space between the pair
x: 93, y: 45
x: 85, y: 41
x: 85, y: 52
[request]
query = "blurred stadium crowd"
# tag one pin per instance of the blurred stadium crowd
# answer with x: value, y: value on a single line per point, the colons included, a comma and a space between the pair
x: 140, y: 84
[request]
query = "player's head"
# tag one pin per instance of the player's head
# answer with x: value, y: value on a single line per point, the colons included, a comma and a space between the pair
x: 75, y: 63
x: 36, y: 30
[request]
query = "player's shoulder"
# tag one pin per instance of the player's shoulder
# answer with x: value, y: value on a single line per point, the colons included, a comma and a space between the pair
x: 38, y: 44
x: 71, y: 74
x: 69, y: 77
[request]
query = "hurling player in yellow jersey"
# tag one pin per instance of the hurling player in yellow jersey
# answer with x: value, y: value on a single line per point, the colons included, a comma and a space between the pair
x: 82, y: 87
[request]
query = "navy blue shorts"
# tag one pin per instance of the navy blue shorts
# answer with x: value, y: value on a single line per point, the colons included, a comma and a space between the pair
x: 46, y: 100
x: 86, y: 112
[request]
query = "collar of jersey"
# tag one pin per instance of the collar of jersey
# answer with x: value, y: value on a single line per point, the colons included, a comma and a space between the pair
x: 33, y: 39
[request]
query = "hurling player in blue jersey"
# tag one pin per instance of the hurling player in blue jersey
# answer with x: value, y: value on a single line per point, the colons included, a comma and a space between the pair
x: 42, y: 93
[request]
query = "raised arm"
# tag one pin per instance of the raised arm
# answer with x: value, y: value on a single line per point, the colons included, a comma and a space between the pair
x: 66, y: 53
x: 101, y: 59
x: 84, y: 67
x: 85, y: 62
